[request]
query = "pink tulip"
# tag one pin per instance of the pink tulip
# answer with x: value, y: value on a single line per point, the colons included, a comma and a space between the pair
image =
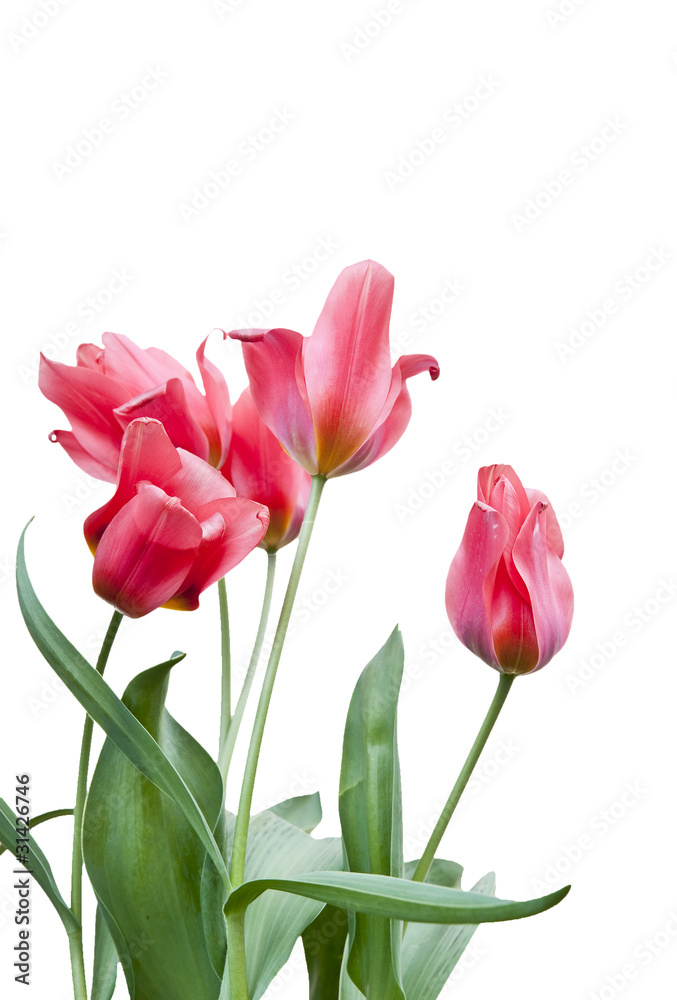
x: 509, y: 599
x: 173, y: 527
x: 259, y: 468
x: 332, y: 399
x: 111, y: 386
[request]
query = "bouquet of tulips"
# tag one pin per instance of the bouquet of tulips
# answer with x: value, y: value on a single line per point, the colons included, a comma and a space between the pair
x: 192, y: 900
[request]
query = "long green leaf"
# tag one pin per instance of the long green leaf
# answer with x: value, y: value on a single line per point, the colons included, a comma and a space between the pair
x: 276, y: 920
x: 395, y: 898
x: 38, y: 865
x: 324, y: 944
x: 103, y: 705
x: 145, y: 861
x: 370, y: 807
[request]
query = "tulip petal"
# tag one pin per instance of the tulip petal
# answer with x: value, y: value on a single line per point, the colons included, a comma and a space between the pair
x: 553, y: 531
x: 146, y: 552
x: 146, y: 455
x: 88, y: 463
x: 270, y: 359
x: 260, y: 469
x: 512, y: 624
x: 198, y: 484
x: 167, y: 403
x: 231, y: 529
x: 140, y: 368
x: 346, y: 362
x: 218, y: 403
x: 492, y: 478
x: 547, y: 581
x: 87, y: 398
x: 472, y: 573
x: 395, y: 416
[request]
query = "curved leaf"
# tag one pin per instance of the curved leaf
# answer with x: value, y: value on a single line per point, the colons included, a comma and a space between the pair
x: 105, y: 971
x: 396, y: 898
x: 370, y: 807
x: 144, y: 859
x: 303, y: 811
x: 103, y: 705
x: 42, y: 818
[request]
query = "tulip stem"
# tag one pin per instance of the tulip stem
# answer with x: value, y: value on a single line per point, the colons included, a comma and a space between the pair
x: 75, y: 939
x: 423, y: 867
x: 225, y: 664
x: 226, y: 754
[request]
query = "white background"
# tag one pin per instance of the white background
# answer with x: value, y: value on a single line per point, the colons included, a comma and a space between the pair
x: 589, y: 92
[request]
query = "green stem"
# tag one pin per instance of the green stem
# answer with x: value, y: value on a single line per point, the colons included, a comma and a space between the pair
x: 423, y: 867
x: 75, y: 939
x: 225, y: 664
x: 237, y: 962
x: 231, y: 736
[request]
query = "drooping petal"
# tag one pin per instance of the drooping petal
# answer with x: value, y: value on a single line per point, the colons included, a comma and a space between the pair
x: 88, y: 463
x: 231, y: 529
x: 547, y: 581
x: 87, y: 398
x: 167, y: 403
x: 270, y: 359
x: 472, y: 570
x: 260, y: 469
x: 396, y: 413
x: 512, y: 624
x: 146, y: 455
x: 218, y: 404
x: 346, y: 362
x: 146, y: 552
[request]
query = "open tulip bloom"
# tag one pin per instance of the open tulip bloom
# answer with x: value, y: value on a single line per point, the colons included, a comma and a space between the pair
x: 193, y: 900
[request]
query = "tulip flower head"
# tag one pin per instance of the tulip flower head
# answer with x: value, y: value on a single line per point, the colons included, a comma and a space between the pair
x: 332, y: 399
x: 111, y: 386
x: 173, y: 527
x: 259, y: 468
x: 508, y: 596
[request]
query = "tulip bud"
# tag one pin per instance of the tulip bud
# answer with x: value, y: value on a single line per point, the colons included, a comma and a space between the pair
x: 509, y: 598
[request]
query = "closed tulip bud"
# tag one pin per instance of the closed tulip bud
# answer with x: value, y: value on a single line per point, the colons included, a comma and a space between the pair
x: 508, y: 596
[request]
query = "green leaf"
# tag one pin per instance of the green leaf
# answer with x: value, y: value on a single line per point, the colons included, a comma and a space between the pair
x: 324, y: 944
x: 38, y: 866
x: 303, y: 811
x: 105, y: 960
x: 43, y: 818
x: 276, y: 920
x: 144, y: 859
x: 431, y: 951
x: 395, y: 898
x: 370, y: 806
x: 103, y: 705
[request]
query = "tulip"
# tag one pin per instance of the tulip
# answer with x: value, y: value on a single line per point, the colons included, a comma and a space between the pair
x: 509, y: 599
x: 111, y: 386
x: 173, y: 527
x: 259, y: 468
x: 332, y: 399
